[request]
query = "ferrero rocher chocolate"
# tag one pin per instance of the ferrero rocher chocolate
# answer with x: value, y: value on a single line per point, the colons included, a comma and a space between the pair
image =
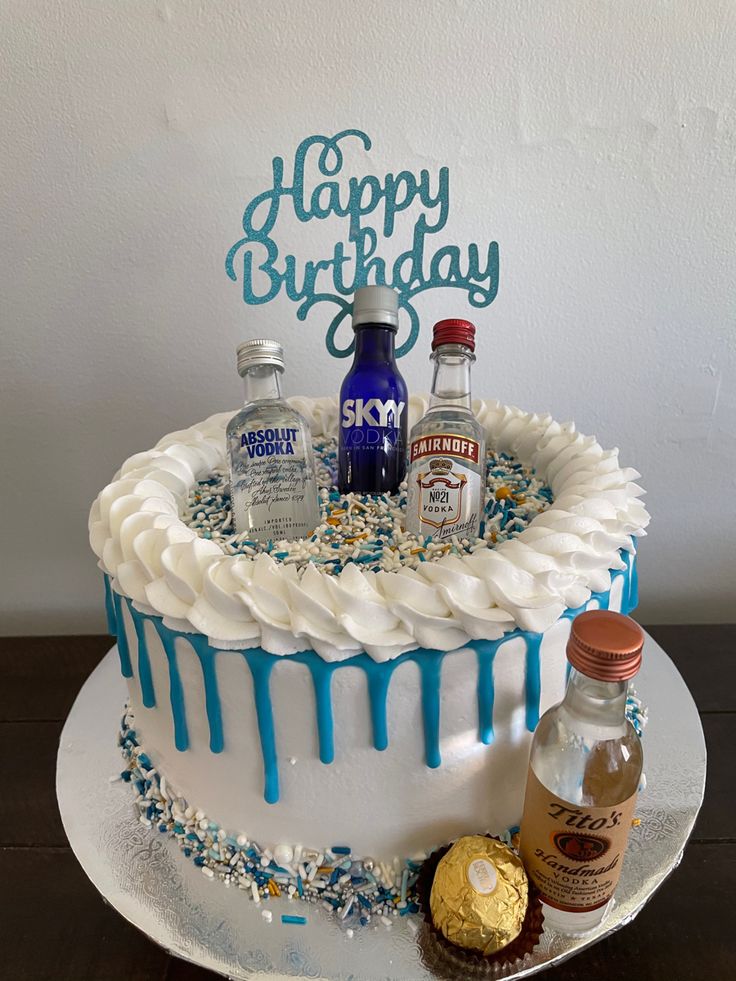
x: 479, y: 894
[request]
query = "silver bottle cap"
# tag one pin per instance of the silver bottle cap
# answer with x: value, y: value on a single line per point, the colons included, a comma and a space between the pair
x: 259, y: 351
x: 376, y: 305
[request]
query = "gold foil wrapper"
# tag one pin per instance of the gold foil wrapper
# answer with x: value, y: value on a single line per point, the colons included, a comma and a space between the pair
x: 479, y: 894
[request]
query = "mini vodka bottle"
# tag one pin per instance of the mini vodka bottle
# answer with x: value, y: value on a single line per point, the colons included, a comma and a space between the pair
x: 584, y: 773
x: 447, y: 453
x: 272, y: 477
x: 373, y: 399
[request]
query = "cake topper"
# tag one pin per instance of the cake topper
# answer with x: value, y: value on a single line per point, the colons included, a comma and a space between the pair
x: 318, y: 189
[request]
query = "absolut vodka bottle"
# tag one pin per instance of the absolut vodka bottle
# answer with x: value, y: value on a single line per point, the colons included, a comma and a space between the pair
x: 584, y: 773
x: 373, y: 400
x: 447, y: 451
x: 272, y: 476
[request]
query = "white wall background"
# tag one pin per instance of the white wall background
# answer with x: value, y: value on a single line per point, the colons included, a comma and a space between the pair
x: 596, y: 142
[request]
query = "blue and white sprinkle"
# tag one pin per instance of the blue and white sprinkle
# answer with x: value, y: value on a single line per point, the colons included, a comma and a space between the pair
x: 636, y: 712
x: 366, y: 529
x: 357, y: 890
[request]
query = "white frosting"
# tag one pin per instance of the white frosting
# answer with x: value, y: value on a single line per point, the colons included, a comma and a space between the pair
x: 565, y: 553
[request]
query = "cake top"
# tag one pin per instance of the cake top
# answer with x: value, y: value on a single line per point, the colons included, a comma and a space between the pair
x: 565, y: 511
x: 367, y: 529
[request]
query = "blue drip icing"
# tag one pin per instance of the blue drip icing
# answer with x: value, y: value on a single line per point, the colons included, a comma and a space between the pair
x: 176, y: 692
x: 430, y: 667
x: 126, y: 668
x: 148, y: 695
x: 628, y: 575
x: 207, y: 655
x: 260, y: 663
x: 321, y: 673
x: 378, y: 676
x: 533, y: 677
x: 633, y: 600
x: 486, y: 653
x: 112, y: 627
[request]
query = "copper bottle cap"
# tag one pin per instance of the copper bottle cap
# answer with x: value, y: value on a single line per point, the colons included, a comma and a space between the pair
x: 605, y: 645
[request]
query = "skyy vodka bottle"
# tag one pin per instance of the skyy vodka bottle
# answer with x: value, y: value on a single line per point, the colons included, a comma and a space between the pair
x: 373, y: 400
x: 272, y: 476
x: 447, y: 452
x: 584, y: 773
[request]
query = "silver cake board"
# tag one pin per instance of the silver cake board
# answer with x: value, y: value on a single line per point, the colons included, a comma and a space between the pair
x: 143, y: 874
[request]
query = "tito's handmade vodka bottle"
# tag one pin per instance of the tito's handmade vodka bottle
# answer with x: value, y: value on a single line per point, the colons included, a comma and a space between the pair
x: 447, y: 452
x: 584, y: 773
x: 272, y: 477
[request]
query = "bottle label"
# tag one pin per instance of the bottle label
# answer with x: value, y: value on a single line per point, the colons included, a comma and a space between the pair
x: 276, y: 441
x: 371, y: 424
x: 372, y: 412
x: 445, y: 490
x: 274, y: 492
x: 573, y: 853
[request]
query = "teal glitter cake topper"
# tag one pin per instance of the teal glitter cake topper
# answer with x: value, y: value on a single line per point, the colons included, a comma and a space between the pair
x: 265, y: 273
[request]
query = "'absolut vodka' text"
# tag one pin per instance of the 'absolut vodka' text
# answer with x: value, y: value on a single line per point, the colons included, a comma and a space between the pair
x: 269, y: 442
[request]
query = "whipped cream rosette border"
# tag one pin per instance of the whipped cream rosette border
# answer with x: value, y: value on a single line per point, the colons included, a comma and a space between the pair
x: 565, y: 554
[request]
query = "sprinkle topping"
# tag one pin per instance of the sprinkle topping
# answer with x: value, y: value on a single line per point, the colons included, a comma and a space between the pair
x: 366, y: 529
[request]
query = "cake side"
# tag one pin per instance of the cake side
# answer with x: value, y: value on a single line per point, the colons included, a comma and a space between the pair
x: 293, y: 749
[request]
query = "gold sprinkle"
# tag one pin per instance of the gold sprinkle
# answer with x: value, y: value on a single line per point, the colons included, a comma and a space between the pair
x: 635, y: 822
x: 502, y: 493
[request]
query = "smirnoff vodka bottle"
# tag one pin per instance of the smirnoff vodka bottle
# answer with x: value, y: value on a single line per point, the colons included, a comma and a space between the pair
x: 447, y: 453
x: 373, y: 400
x: 584, y: 773
x: 272, y: 476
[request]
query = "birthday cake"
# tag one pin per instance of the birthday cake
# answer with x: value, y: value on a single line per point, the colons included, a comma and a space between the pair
x: 304, y: 711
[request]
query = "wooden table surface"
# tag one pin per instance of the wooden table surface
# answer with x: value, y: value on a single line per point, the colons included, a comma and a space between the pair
x: 55, y: 925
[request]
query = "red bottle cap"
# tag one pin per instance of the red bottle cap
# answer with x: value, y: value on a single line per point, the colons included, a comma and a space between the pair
x: 605, y: 645
x: 454, y: 331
